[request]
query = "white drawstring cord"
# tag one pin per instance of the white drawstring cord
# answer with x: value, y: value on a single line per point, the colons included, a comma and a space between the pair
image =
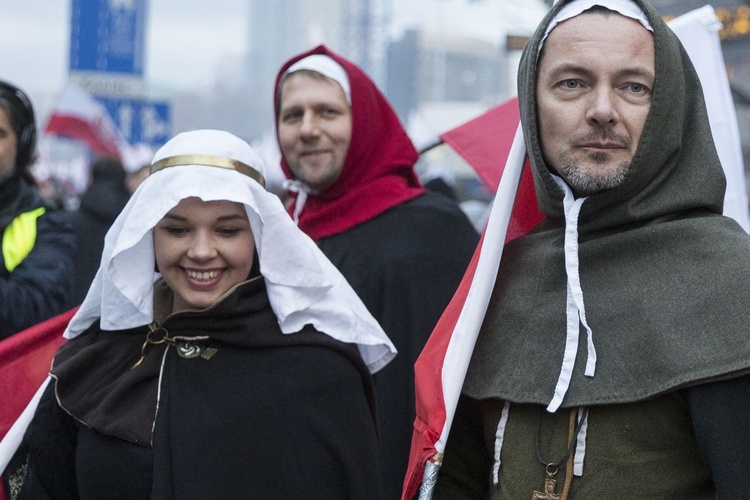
x: 575, y: 309
x: 499, y: 436
x: 295, y: 186
x: 580, y: 452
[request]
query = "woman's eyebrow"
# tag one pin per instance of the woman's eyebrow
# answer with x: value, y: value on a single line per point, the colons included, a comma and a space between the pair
x: 231, y: 217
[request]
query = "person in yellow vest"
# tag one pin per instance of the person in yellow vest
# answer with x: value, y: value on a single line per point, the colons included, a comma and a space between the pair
x: 38, y: 245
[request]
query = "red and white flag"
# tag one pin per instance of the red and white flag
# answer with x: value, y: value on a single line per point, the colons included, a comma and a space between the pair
x: 78, y: 115
x: 484, y: 141
x: 25, y: 361
x: 698, y: 30
x: 488, y: 142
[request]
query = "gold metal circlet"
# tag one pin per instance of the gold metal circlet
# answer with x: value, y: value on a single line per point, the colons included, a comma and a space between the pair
x: 152, y: 337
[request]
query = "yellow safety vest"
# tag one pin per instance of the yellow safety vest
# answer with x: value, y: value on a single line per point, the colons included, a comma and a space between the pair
x: 19, y: 238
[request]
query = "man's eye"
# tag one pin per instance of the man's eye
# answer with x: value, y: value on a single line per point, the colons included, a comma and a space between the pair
x: 291, y: 116
x: 570, y: 84
x: 637, y: 88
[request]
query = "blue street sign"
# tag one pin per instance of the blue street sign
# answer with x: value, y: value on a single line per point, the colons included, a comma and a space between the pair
x: 107, y: 36
x: 141, y: 120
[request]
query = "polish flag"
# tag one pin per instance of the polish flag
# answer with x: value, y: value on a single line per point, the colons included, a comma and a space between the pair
x: 484, y: 141
x: 78, y: 115
x: 487, y: 142
x: 25, y: 361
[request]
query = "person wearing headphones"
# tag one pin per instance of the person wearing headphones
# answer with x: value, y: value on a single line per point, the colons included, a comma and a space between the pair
x: 38, y: 244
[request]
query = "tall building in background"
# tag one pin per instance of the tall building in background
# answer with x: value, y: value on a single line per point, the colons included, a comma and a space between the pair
x: 364, y: 35
x: 434, y: 66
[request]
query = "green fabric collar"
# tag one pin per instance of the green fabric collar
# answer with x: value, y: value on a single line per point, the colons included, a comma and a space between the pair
x: 664, y: 275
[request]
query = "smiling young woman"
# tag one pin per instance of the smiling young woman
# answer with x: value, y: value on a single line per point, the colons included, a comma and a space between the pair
x: 202, y: 250
x: 241, y: 369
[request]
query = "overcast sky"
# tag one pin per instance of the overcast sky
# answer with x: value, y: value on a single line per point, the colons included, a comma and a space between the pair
x: 187, y: 40
x: 190, y: 41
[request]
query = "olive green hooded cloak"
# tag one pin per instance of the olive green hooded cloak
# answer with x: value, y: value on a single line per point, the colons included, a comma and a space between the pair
x: 665, y: 277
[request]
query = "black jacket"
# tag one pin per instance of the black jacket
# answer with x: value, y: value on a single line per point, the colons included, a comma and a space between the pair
x: 405, y: 265
x: 100, y: 206
x: 40, y: 286
x: 267, y: 415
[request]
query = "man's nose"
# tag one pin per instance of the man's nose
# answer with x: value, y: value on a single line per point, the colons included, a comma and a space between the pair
x: 603, y: 107
x: 309, y: 126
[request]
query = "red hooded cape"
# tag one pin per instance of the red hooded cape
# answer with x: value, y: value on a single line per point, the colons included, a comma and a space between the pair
x: 378, y: 172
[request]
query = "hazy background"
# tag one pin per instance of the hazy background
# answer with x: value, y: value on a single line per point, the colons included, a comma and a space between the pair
x: 442, y: 61
x: 215, y: 61
x: 193, y: 46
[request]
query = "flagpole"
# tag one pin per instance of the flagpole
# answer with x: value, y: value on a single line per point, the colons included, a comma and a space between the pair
x: 464, y: 337
x: 430, y: 145
x: 431, y: 469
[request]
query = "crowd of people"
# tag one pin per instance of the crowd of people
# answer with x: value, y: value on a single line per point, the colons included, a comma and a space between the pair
x: 228, y: 344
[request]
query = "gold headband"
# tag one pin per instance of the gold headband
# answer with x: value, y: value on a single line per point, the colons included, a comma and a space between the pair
x: 209, y: 161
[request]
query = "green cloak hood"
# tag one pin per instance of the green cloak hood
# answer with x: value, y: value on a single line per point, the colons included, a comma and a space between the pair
x: 665, y: 277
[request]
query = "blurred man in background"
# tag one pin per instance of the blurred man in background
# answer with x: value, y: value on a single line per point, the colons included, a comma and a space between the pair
x: 36, y: 275
x: 350, y: 169
x: 102, y: 202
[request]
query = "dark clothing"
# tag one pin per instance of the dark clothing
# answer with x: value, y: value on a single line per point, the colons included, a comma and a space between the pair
x: 665, y: 280
x: 681, y: 445
x: 403, y: 250
x: 100, y: 205
x: 405, y: 265
x: 268, y: 415
x: 34, y: 286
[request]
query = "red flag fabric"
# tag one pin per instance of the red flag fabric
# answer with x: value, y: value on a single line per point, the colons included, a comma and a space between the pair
x: 79, y: 116
x: 25, y: 360
x: 494, y: 152
x: 484, y: 141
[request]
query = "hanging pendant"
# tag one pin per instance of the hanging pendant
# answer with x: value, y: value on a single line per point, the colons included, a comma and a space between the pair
x: 549, y: 491
x: 208, y: 353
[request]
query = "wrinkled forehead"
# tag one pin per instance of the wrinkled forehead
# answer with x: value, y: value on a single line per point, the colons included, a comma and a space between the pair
x: 627, y: 8
x: 323, y: 65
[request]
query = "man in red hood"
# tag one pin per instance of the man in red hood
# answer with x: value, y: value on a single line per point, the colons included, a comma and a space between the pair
x: 350, y: 170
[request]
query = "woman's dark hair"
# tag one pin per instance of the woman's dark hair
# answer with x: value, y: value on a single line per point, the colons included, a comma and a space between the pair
x: 255, y: 268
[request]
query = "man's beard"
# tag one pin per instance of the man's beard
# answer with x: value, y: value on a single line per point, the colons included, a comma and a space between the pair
x: 585, y: 184
x: 589, y: 182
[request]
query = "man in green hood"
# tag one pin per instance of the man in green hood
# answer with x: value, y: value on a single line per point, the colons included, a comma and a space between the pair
x: 613, y: 360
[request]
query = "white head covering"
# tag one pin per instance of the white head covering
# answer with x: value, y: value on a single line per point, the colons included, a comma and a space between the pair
x: 303, y: 286
x: 321, y: 63
x: 627, y: 8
